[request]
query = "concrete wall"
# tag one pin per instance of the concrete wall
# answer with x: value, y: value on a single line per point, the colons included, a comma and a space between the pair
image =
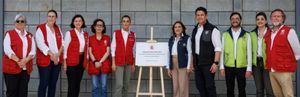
x: 145, y: 13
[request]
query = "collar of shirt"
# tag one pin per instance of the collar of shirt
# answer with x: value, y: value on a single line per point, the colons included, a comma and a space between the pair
x: 239, y: 30
x: 264, y: 33
x: 48, y: 28
x: 124, y: 31
x: 200, y: 26
x: 273, y: 32
x: 79, y: 32
x: 19, y: 32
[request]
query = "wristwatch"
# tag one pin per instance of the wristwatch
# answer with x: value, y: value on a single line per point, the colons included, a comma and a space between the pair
x: 216, y: 62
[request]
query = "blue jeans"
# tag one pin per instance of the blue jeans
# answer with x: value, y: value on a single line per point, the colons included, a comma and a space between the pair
x: 99, y: 80
x: 48, y: 78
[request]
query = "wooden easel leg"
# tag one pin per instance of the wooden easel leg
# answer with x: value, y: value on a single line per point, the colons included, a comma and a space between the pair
x: 150, y: 81
x: 162, y: 82
x: 139, y: 82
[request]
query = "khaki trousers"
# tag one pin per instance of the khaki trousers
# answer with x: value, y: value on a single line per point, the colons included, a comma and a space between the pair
x: 122, y: 76
x: 180, y: 80
x: 282, y: 84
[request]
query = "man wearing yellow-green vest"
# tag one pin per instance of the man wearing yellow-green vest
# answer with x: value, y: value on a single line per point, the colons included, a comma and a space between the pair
x: 236, y: 58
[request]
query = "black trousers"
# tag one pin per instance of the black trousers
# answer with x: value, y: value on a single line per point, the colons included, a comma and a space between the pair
x: 205, y: 81
x: 17, y: 84
x: 232, y: 73
x: 74, y: 74
x: 262, y: 79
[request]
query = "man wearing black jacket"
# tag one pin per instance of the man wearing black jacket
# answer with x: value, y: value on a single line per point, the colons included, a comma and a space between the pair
x: 206, y: 50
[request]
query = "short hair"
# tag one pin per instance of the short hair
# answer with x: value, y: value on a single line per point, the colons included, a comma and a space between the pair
x: 235, y: 13
x: 95, y: 23
x: 182, y: 25
x: 52, y: 11
x: 201, y: 9
x: 20, y: 15
x: 279, y: 10
x: 126, y: 16
x: 73, y: 19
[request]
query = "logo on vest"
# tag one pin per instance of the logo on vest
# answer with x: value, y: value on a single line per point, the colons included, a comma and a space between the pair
x: 282, y: 32
x: 105, y: 42
x: 206, y: 32
x: 29, y: 36
x: 184, y: 44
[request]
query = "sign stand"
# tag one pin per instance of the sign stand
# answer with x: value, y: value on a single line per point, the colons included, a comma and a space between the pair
x: 150, y: 93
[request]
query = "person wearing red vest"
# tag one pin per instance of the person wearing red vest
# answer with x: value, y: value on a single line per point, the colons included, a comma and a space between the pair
x: 49, y: 54
x: 122, y: 56
x: 75, y: 54
x: 99, y: 64
x: 283, y: 51
x: 19, y: 51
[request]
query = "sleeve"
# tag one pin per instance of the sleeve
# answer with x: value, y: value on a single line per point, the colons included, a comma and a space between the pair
x: 134, y: 46
x: 249, y: 53
x: 168, y: 58
x: 222, y: 55
x: 90, y: 41
x: 293, y: 39
x: 33, y: 48
x: 216, y: 40
x: 41, y: 42
x: 108, y: 41
x: 62, y: 38
x: 113, y: 45
x: 66, y: 43
x: 189, y: 50
x: 7, y: 48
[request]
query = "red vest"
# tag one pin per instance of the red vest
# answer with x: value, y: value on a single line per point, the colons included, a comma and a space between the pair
x: 41, y: 59
x: 124, y: 54
x: 99, y: 49
x: 281, y: 58
x: 10, y: 66
x: 73, y: 53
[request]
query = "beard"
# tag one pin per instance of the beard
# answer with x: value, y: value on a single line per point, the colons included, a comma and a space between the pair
x: 277, y: 24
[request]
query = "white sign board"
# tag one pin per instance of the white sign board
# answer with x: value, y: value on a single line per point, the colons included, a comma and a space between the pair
x: 152, y: 54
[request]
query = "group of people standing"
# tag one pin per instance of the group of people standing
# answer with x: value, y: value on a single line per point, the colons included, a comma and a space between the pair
x: 74, y: 53
x: 269, y: 54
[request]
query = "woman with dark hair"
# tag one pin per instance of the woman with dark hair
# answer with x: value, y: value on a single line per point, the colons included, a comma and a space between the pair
x: 180, y: 59
x: 99, y: 64
x: 260, y: 73
x: 49, y: 54
x: 75, y: 54
x: 19, y: 51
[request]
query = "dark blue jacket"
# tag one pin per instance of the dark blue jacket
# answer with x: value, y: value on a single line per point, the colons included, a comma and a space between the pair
x: 182, y: 52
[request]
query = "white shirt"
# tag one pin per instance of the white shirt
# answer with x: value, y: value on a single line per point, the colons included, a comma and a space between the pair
x: 235, y: 36
x: 113, y: 42
x: 189, y: 51
x: 260, y: 42
x: 51, y: 39
x: 293, y: 39
x: 7, y: 45
x: 80, y: 36
x: 216, y: 39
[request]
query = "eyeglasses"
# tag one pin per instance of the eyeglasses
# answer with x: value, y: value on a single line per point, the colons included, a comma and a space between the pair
x: 20, y: 21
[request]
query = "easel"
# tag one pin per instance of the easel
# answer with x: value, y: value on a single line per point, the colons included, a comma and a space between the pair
x: 150, y: 93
